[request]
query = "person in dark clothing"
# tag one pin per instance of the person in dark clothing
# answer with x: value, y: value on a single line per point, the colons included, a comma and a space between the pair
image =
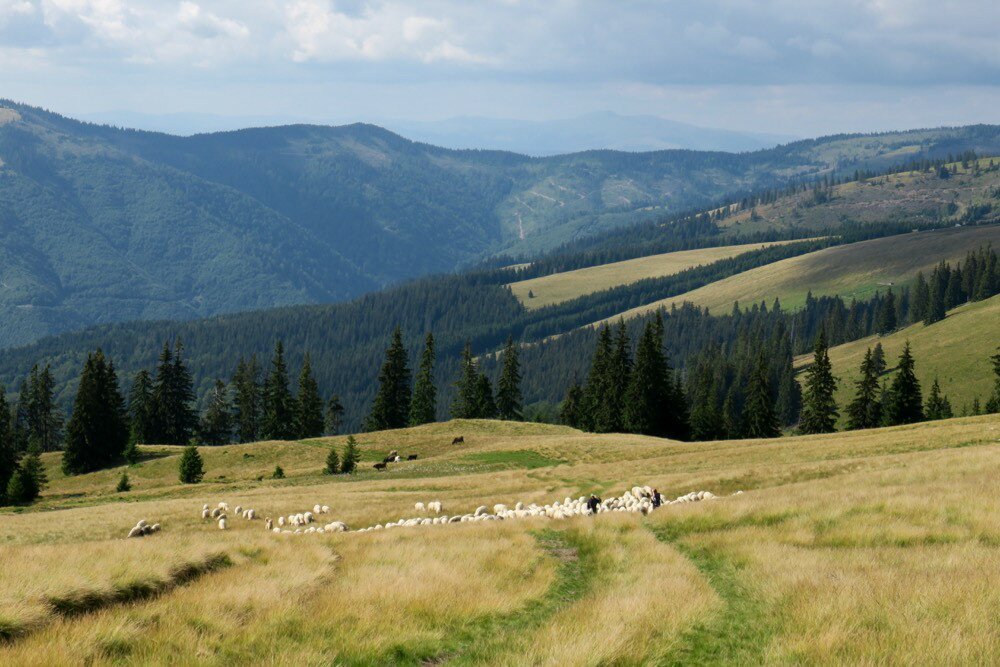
x: 657, y: 499
x: 592, y: 503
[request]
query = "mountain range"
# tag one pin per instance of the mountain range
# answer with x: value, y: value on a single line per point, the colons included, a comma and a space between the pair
x: 101, y: 224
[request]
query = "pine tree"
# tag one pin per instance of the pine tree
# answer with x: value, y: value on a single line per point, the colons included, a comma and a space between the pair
x: 124, y: 485
x: 332, y: 462
x: 886, y: 322
x: 217, y: 422
x: 140, y: 409
x: 865, y: 411
x: 44, y: 419
x: 993, y: 403
x: 938, y: 405
x: 921, y: 299
x: 8, y: 457
x: 174, y: 418
x: 649, y: 397
x: 191, y: 469
x: 904, y: 403
x: 485, y: 405
x: 28, y: 480
x: 936, y: 297
x: 423, y: 406
x: 278, y: 421
x: 349, y: 462
x: 391, y: 408
x: 599, y: 405
x: 569, y: 412
x: 97, y: 432
x: 509, y: 399
x: 465, y: 403
x: 613, y: 419
x: 334, y: 415
x: 248, y: 400
x: 308, y: 404
x: 819, y: 408
x: 759, y: 419
x: 878, y: 360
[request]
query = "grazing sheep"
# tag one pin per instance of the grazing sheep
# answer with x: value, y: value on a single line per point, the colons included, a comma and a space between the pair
x: 394, y: 453
x: 419, y: 507
x: 317, y: 509
x: 216, y: 512
x: 396, y: 459
x: 460, y: 440
x: 307, y: 517
x: 411, y: 457
x: 251, y: 514
x: 480, y: 510
x: 337, y: 527
x: 281, y: 521
x: 325, y: 509
x: 205, y: 514
x: 224, y: 507
x: 434, y: 506
x: 222, y: 523
x: 205, y: 506
x: 379, y: 466
x: 239, y: 511
x: 499, y: 507
x: 268, y: 524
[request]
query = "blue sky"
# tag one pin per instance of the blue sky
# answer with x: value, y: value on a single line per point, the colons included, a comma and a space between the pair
x: 782, y: 66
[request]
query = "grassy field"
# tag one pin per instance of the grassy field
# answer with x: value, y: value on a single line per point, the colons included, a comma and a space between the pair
x: 856, y: 270
x: 559, y: 287
x: 955, y: 350
x: 856, y: 547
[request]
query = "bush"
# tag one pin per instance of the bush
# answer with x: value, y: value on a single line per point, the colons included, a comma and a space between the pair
x: 278, y: 473
x: 332, y: 462
x: 131, y: 453
x: 191, y: 467
x: 123, y: 483
x: 351, y: 456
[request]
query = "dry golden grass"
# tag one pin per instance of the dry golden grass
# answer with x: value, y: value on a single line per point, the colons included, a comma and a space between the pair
x: 559, y: 287
x: 870, y: 547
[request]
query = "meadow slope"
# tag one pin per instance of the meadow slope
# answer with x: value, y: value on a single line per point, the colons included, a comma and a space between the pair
x: 856, y: 547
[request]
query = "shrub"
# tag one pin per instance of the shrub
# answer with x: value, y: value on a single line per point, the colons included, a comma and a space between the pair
x: 192, y: 469
x: 351, y: 456
x: 332, y: 462
x: 123, y: 483
x: 278, y: 473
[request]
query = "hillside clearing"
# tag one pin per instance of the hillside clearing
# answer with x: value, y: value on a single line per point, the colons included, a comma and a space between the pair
x: 559, y: 287
x: 852, y: 271
x: 852, y: 547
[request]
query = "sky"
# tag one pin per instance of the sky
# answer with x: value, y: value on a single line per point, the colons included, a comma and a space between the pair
x: 791, y: 67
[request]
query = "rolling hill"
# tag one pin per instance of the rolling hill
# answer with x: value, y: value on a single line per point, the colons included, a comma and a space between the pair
x: 857, y: 547
x: 101, y: 224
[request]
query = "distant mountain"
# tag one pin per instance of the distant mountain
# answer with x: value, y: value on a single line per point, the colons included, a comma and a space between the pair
x: 100, y: 224
x: 592, y: 131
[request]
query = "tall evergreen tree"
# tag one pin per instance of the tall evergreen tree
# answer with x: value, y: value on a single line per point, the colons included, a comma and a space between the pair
x: 308, y: 404
x: 391, y: 408
x: 141, y: 409
x: 28, y: 479
x: 191, y: 468
x: 878, y: 360
x: 938, y: 405
x: 648, y: 398
x: 572, y: 405
x: 601, y: 407
x: 509, y: 400
x: 8, y: 457
x: 174, y: 417
x: 486, y: 407
x: 865, y: 411
x: 921, y: 299
x: 423, y: 407
x: 217, y: 423
x: 819, y: 408
x: 44, y: 418
x: 278, y: 422
x: 332, y: 462
x: 886, y: 317
x: 97, y: 432
x: 349, y: 461
x: 334, y: 415
x: 904, y: 402
x: 993, y: 403
x: 248, y: 400
x: 759, y: 418
x: 465, y: 403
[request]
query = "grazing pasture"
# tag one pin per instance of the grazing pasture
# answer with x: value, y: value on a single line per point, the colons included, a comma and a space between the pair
x: 864, y: 547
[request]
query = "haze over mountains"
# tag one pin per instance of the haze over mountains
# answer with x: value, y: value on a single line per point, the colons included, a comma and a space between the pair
x: 99, y: 224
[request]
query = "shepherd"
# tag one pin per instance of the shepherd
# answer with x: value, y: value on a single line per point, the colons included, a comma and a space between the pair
x: 593, y: 503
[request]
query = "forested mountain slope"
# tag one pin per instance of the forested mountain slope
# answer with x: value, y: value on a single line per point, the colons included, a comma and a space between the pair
x: 99, y: 224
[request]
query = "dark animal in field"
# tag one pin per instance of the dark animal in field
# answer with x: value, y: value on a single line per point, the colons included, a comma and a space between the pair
x: 460, y: 440
x: 379, y: 466
x: 411, y: 457
x: 388, y: 459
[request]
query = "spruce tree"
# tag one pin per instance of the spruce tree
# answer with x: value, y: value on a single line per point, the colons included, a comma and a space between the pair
x: 993, y: 403
x: 191, y: 469
x: 485, y: 405
x: 43, y: 416
x: 332, y: 462
x: 865, y: 411
x: 705, y: 419
x: 248, y: 400
x: 509, y: 399
x: 759, y: 418
x: 423, y: 406
x: 648, y: 399
x: 140, y: 408
x: 921, y: 299
x: 174, y: 417
x: 97, y: 432
x: 349, y: 462
x: 278, y: 422
x: 613, y: 419
x: 466, y: 401
x: 886, y: 322
x: 904, y: 402
x: 938, y: 405
x: 308, y: 404
x: 124, y: 485
x: 391, y: 408
x: 599, y: 405
x: 878, y: 360
x: 217, y: 422
x: 570, y: 411
x: 28, y: 480
x: 819, y: 408
x: 334, y: 415
x: 8, y: 457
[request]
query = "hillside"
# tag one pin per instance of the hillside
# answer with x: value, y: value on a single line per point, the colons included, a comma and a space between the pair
x: 852, y: 271
x: 101, y: 224
x: 866, y: 540
x: 955, y: 350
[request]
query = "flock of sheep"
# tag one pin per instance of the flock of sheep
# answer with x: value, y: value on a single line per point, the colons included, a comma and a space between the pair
x: 144, y: 528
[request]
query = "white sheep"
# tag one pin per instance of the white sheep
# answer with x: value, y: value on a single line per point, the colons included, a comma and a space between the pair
x: 325, y: 509
x: 419, y: 507
x: 250, y: 514
x: 434, y: 506
x: 216, y: 512
x: 281, y: 521
x: 317, y: 509
x: 135, y: 532
x: 268, y: 524
x: 239, y: 510
x: 205, y: 514
x: 307, y: 517
x: 499, y: 507
x: 222, y: 523
x: 480, y: 510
